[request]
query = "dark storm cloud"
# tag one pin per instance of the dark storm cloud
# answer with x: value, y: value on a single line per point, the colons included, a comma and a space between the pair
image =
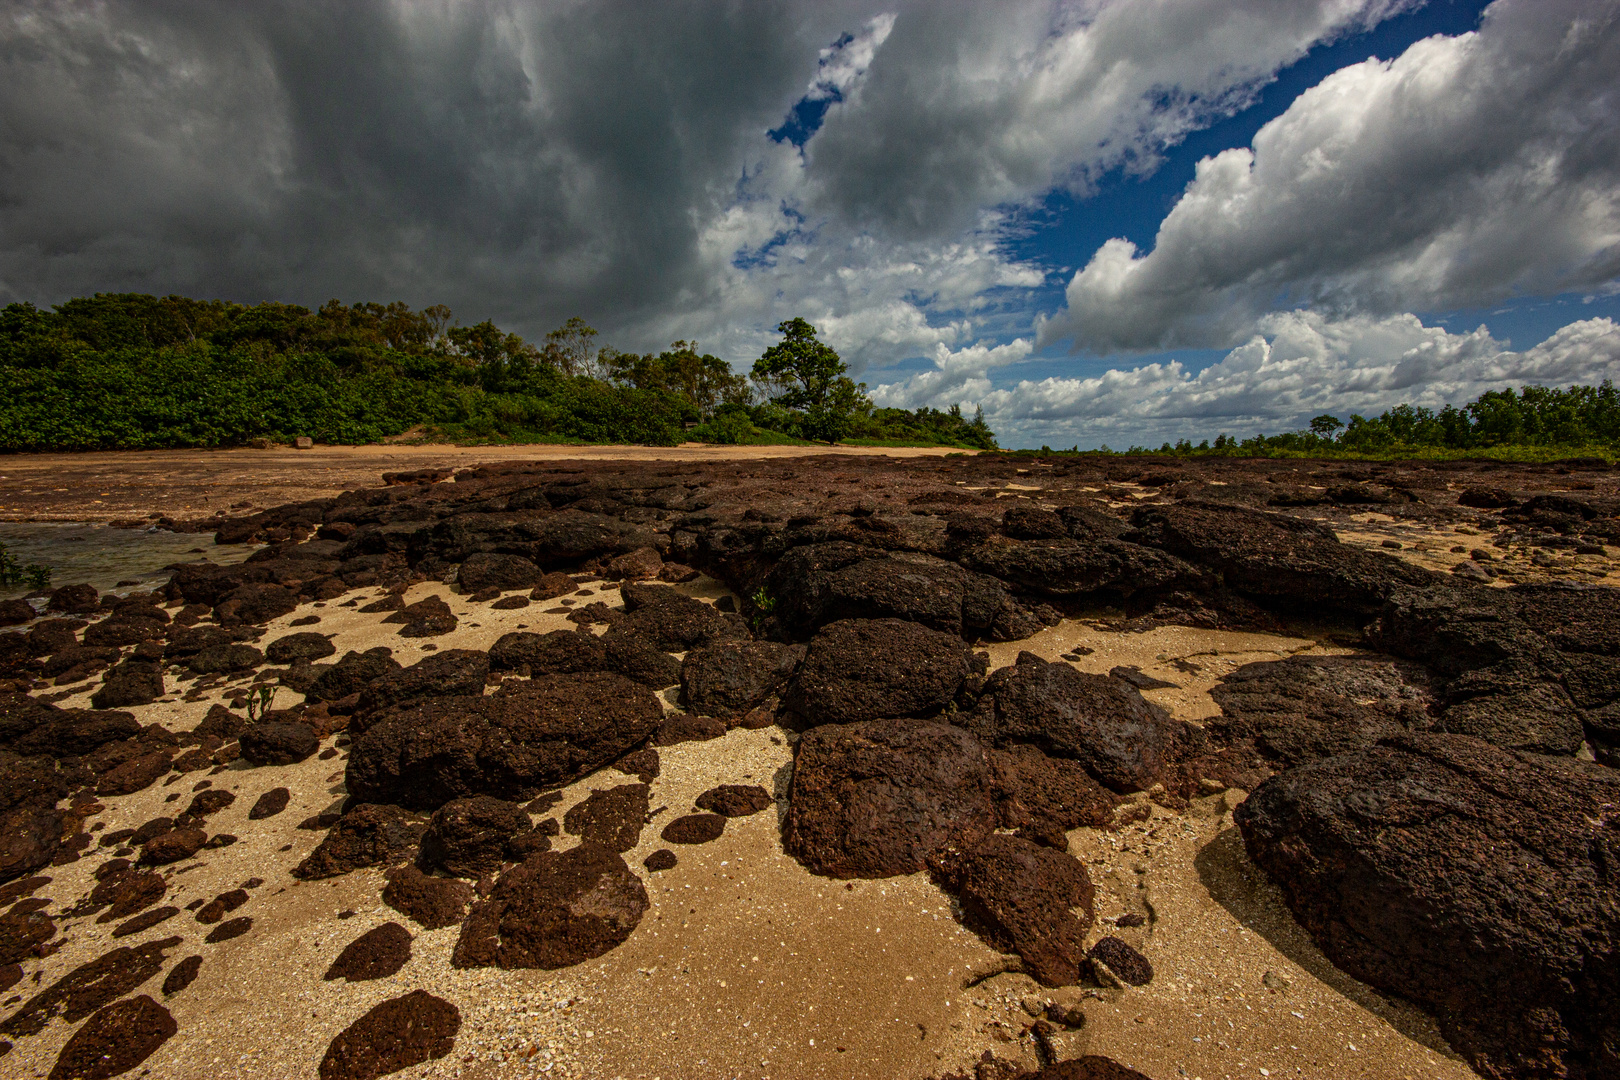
x: 514, y: 160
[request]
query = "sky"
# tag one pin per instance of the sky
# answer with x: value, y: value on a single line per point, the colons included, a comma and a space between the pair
x: 1103, y: 221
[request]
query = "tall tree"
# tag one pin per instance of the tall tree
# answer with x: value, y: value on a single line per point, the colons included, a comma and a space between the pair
x: 805, y: 374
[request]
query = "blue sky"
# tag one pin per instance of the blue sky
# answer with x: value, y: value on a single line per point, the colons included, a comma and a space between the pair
x: 1115, y: 221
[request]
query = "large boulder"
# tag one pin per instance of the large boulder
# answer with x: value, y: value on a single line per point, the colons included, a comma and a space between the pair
x: 255, y: 603
x: 487, y: 569
x: 554, y: 910
x: 817, y: 584
x: 301, y: 648
x: 472, y: 837
x: 526, y: 736
x: 876, y: 799
x: 674, y: 621
x: 74, y: 732
x: 561, y: 652
x: 1043, y: 797
x: 1476, y: 881
x: 278, y: 742
x: 451, y: 673
x: 1272, y: 556
x: 1065, y: 568
x: 1022, y: 898
x: 366, y: 835
x: 729, y: 678
x: 1307, y: 707
x: 870, y: 669
x: 134, y: 682
x: 353, y: 674
x: 1102, y: 722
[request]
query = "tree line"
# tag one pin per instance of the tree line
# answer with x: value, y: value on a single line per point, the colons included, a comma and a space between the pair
x: 132, y: 371
x: 1537, y: 421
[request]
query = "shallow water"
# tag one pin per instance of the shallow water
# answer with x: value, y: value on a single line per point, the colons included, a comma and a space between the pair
x: 105, y: 556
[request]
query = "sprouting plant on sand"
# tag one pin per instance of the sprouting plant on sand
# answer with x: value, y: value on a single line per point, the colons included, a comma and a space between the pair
x: 259, y: 700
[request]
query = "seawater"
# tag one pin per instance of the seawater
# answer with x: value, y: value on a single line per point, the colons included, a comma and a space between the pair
x: 104, y: 556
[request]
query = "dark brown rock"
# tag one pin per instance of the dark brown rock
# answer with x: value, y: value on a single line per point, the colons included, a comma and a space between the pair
x: 88, y: 987
x: 114, y: 1040
x: 872, y: 669
x: 1089, y: 1067
x: 1123, y: 960
x: 730, y: 677
x: 431, y: 902
x: 684, y: 727
x: 224, y: 659
x: 472, y: 837
x: 231, y: 928
x: 79, y: 599
x: 352, y: 674
x: 302, y: 648
x: 876, y: 799
x: 1106, y: 725
x: 554, y: 910
x: 1407, y: 863
x: 430, y: 617
x: 489, y: 570
x: 182, y: 975
x: 133, y: 682
x: 526, y: 736
x: 1044, y: 797
x: 210, y: 801
x: 220, y: 722
x: 221, y: 906
x: 145, y: 921
x: 612, y: 818
x: 694, y: 829
x: 278, y: 742
x: 444, y: 674
x: 126, y: 893
x: 1019, y: 897
x: 1307, y: 707
x: 173, y: 846
x: 735, y: 800
x: 71, y: 732
x: 662, y: 859
x: 270, y: 804
x: 376, y: 954
x: 135, y: 774
x: 641, y: 764
x: 1277, y: 557
x: 367, y: 835
x: 560, y: 652
x: 400, y: 1032
x: 22, y: 930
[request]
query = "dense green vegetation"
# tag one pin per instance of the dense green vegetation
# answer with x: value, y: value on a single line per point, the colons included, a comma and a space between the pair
x: 1533, y: 423
x: 130, y: 371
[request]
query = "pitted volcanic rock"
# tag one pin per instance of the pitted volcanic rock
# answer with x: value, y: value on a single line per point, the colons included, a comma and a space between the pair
x: 1444, y: 869
x: 876, y: 799
x: 525, y: 736
x: 554, y: 910
x: 472, y: 837
x: 875, y: 669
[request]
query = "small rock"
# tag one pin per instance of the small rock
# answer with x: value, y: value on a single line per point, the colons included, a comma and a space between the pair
x: 376, y: 954
x: 1124, y: 961
x: 694, y: 829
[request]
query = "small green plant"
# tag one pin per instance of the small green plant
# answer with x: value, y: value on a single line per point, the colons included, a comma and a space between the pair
x: 259, y: 700
x: 14, y: 573
x: 764, y: 603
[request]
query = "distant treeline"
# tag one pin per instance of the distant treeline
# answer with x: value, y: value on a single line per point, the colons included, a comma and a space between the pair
x: 1532, y: 423
x: 131, y: 371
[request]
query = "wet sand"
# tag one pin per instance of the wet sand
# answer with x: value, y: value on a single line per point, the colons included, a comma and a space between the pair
x: 135, y: 485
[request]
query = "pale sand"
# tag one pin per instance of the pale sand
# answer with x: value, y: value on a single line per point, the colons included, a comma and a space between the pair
x: 747, y: 965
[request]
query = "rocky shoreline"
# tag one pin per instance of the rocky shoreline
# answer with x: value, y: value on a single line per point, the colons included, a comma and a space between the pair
x: 515, y: 706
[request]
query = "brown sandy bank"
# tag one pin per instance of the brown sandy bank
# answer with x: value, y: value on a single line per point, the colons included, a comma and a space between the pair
x: 113, y: 485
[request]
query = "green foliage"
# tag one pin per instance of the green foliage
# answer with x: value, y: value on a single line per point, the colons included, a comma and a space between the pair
x: 127, y: 371
x: 1532, y: 423
x: 805, y: 376
x: 12, y: 572
x: 706, y: 381
x: 924, y: 427
x: 259, y: 702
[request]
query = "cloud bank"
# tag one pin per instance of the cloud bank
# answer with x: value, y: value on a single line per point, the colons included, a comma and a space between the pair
x: 1299, y: 365
x: 1468, y: 170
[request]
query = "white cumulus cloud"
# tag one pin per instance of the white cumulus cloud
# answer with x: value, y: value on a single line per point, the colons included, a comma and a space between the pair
x: 1467, y: 170
x: 1300, y: 364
